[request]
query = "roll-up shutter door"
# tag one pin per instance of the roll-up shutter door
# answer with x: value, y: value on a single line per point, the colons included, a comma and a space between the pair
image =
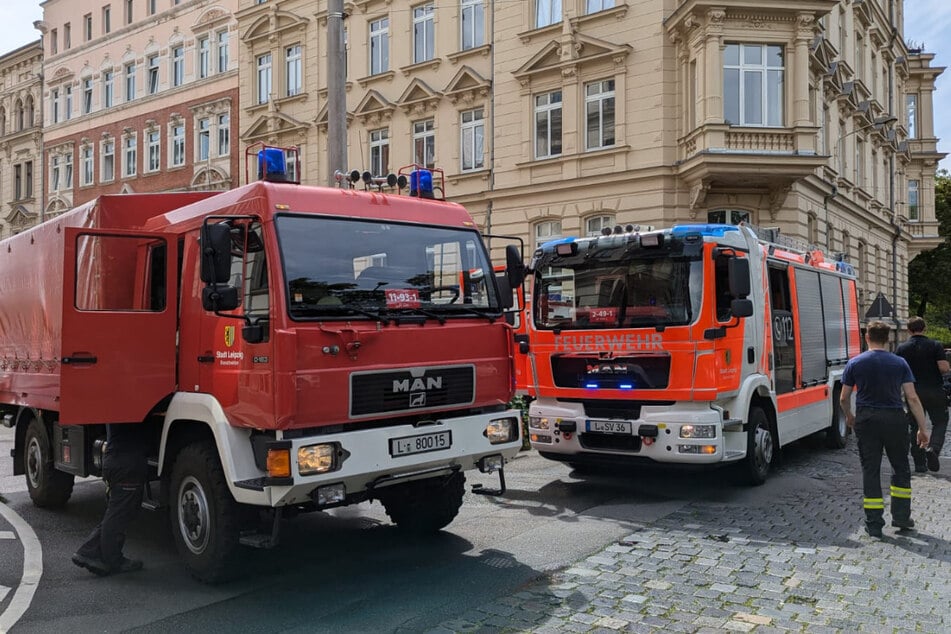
x: 851, y: 315
x: 811, y: 327
x: 833, y: 316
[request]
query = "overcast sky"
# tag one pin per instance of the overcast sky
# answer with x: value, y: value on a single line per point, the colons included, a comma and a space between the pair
x: 927, y: 22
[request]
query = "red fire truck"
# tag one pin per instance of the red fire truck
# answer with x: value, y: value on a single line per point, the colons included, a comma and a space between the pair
x: 695, y: 345
x: 291, y: 348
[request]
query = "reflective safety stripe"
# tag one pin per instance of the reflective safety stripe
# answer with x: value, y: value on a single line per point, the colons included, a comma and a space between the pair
x: 874, y: 503
x: 901, y: 492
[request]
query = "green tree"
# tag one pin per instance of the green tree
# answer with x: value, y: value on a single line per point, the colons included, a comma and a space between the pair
x: 929, y: 274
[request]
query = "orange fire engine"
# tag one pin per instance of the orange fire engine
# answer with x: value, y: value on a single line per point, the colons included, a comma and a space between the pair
x: 699, y: 344
x: 290, y: 348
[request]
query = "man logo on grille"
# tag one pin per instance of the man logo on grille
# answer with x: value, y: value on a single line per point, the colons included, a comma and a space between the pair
x: 417, y: 399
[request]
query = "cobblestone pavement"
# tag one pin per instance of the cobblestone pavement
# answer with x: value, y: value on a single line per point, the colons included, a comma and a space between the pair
x: 800, y: 563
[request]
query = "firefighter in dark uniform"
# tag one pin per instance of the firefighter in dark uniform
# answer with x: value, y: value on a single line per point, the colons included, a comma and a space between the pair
x: 879, y: 378
x: 125, y: 469
x: 927, y: 361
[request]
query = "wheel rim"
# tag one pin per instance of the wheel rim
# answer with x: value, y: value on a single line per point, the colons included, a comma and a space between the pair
x: 34, y: 462
x: 763, y: 448
x: 194, y: 519
x: 840, y: 422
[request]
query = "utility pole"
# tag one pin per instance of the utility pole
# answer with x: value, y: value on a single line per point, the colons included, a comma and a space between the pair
x: 336, y: 92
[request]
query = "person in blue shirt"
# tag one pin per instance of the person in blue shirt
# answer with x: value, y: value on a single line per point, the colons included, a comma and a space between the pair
x: 879, y: 379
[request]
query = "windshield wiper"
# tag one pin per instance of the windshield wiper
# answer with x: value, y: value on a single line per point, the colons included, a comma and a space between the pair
x: 457, y: 310
x: 334, y: 310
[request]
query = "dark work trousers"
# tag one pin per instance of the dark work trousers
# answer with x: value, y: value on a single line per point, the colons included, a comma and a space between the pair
x: 878, y: 429
x: 125, y: 473
x: 935, y: 405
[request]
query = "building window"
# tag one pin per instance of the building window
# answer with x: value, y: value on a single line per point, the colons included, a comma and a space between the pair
x: 911, y: 107
x: 54, y: 105
x: 68, y: 170
x: 222, y: 51
x: 178, y: 145
x: 67, y: 36
x: 547, y: 12
x: 154, y: 143
x: 548, y: 125
x: 128, y: 11
x: 546, y: 231
x: 473, y: 140
x: 473, y: 23
x: 129, y: 156
x: 18, y: 182
x: 913, y: 199
x: 204, y: 139
x: 54, y: 173
x: 594, y: 6
x: 224, y: 134
x: 859, y: 163
x: 53, y: 42
x: 379, y: 151
x: 753, y: 76
x: 153, y: 69
x: 424, y: 143
x: 68, y: 107
x: 292, y: 68
x: 129, y: 82
x: 595, y: 224
x: 599, y: 114
x: 108, y: 89
x: 108, y: 170
x: 379, y: 46
x: 178, y: 66
x: 86, y: 172
x: 204, y: 57
x: 87, y: 27
x: 424, y: 31
x: 264, y: 78
x: 106, y: 19
x: 150, y: 6
x: 87, y: 95
x: 728, y: 216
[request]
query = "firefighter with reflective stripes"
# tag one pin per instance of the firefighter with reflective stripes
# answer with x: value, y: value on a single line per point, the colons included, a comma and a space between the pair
x: 879, y: 379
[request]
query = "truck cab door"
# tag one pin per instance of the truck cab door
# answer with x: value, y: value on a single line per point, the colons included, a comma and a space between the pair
x: 119, y: 324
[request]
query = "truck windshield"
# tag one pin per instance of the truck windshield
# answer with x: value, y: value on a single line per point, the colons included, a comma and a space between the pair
x: 367, y: 269
x: 658, y: 291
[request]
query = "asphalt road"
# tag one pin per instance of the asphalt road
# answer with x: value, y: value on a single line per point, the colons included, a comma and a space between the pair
x: 349, y: 570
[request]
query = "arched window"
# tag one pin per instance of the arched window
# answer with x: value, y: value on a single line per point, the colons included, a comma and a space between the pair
x: 28, y: 112
x: 594, y: 224
x: 547, y: 230
x: 3, y: 121
x: 812, y: 229
x: 862, y: 264
x: 20, y: 115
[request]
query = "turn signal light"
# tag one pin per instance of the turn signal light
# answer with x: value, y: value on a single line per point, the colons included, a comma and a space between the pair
x: 279, y: 463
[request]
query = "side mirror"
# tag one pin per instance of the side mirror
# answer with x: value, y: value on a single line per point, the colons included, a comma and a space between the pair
x: 514, y: 268
x: 739, y: 277
x: 215, y: 253
x: 741, y: 307
x: 505, y: 291
x: 220, y: 298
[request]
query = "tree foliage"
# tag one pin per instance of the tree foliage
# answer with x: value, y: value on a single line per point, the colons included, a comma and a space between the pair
x: 929, y: 274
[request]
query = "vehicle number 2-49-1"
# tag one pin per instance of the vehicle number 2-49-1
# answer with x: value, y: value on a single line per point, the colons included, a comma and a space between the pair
x: 420, y: 444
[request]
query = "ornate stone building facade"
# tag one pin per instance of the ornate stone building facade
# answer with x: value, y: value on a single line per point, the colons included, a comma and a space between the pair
x: 21, y: 140
x: 561, y: 117
x: 139, y: 96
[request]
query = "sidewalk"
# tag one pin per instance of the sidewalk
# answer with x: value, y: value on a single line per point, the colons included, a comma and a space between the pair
x: 801, y: 564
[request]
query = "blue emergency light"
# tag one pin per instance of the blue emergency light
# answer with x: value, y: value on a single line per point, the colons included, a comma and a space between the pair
x: 272, y: 165
x: 421, y: 184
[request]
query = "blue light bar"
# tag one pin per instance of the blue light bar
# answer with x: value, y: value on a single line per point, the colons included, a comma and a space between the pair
x: 591, y: 386
x: 626, y: 386
x: 551, y: 244
x: 272, y: 165
x: 711, y: 230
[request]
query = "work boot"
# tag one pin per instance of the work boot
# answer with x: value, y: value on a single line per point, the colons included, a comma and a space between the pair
x: 127, y: 565
x: 931, y: 456
x: 904, y: 525
x: 921, y: 468
x: 96, y: 566
x: 874, y: 530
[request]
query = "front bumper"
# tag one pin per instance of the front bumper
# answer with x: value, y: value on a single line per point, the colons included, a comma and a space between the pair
x: 368, y: 464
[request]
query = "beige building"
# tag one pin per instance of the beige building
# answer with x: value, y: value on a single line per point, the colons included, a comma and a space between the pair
x: 560, y: 117
x: 139, y: 95
x: 21, y: 139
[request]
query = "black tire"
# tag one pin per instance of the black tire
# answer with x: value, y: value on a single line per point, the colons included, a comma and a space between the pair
x: 425, y: 506
x: 837, y: 433
x: 49, y: 488
x: 205, y: 518
x: 760, y: 447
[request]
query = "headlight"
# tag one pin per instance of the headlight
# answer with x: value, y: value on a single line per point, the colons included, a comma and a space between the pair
x: 698, y: 431
x: 539, y: 422
x: 313, y: 459
x: 502, y: 430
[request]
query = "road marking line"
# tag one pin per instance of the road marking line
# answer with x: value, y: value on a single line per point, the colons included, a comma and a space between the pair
x: 7, y: 535
x: 32, y: 569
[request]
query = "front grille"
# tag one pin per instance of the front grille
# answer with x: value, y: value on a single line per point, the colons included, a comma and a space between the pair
x: 418, y: 389
x: 612, y: 442
x: 641, y: 372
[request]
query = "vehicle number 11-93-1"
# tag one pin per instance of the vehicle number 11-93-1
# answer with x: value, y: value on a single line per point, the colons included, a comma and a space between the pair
x: 420, y: 444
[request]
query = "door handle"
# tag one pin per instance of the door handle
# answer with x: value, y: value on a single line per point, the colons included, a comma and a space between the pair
x: 80, y: 359
x: 206, y: 358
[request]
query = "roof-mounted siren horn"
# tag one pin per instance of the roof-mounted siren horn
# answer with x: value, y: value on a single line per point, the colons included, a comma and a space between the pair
x: 273, y: 164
